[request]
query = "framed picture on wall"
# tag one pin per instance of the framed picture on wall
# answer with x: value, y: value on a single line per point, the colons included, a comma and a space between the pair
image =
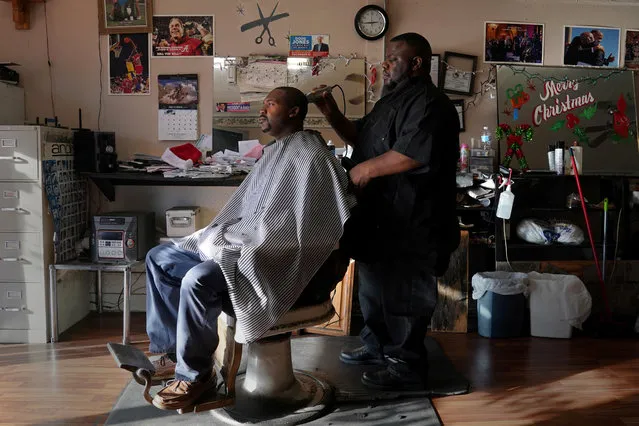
x: 631, y: 56
x: 125, y: 16
x: 514, y: 43
x: 435, y: 60
x: 459, y: 106
x: 588, y: 46
x: 177, y: 36
x: 129, y: 64
x: 459, y: 74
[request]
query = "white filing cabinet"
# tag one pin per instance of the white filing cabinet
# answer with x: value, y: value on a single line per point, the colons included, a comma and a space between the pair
x: 26, y: 236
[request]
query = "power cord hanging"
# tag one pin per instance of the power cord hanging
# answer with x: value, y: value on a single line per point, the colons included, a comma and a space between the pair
x: 46, y: 30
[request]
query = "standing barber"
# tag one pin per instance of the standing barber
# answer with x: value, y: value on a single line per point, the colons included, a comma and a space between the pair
x: 406, y: 150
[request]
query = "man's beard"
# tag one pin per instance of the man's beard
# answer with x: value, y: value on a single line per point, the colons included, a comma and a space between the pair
x: 265, y: 121
x: 388, y: 88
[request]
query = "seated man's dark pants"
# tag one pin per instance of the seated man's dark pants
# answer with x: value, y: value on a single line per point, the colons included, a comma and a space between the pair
x: 397, y: 299
x: 184, y: 298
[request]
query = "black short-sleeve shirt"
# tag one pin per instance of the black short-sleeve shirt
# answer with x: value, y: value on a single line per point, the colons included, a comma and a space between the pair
x: 414, y: 212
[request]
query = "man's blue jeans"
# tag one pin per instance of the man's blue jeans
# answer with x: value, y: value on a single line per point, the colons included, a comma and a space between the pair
x: 184, y: 297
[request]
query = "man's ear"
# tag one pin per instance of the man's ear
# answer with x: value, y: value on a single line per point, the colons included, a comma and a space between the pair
x: 417, y: 63
x: 294, y: 112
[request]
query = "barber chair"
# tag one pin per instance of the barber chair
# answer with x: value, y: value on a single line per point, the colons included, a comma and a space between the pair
x: 270, y: 390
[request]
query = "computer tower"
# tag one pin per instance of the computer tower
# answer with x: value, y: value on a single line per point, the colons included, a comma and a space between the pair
x: 94, y: 151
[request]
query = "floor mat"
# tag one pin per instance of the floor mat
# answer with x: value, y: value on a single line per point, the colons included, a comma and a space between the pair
x: 355, y: 404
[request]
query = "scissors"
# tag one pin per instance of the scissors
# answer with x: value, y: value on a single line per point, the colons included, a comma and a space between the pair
x: 264, y: 22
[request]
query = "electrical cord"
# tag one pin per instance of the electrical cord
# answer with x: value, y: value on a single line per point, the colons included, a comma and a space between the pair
x: 46, y: 30
x: 100, y: 78
x: 119, y: 304
x: 503, y: 221
x: 343, y: 97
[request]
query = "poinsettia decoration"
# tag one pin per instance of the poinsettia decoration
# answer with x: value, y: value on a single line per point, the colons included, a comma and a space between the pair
x: 620, y: 121
x: 515, y: 138
x: 572, y: 122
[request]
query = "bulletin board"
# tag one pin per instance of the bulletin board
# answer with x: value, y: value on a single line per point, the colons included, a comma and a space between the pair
x: 595, y: 107
x: 241, y: 83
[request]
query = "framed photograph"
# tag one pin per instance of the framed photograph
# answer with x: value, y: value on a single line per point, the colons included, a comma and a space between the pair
x: 180, y: 36
x: 631, y: 57
x: 125, y: 16
x: 435, y: 61
x: 129, y: 64
x: 514, y: 43
x: 459, y: 75
x: 591, y: 46
x: 459, y: 106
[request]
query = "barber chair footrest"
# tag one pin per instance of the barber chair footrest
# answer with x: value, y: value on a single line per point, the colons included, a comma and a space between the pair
x: 130, y: 358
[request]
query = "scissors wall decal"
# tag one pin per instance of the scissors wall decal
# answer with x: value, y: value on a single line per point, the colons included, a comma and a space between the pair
x: 264, y: 22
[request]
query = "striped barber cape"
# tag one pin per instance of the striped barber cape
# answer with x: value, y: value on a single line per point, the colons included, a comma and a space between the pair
x: 277, y: 229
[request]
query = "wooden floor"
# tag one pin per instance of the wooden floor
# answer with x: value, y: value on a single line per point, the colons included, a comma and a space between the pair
x: 581, y: 381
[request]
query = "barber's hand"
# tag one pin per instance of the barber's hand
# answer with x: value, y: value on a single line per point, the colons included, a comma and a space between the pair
x: 360, y: 175
x: 326, y: 104
x: 610, y: 59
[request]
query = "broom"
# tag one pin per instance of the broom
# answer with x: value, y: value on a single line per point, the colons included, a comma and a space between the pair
x: 602, y: 283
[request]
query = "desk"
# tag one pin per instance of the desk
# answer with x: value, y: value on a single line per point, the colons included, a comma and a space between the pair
x: 106, y: 182
x: 99, y: 268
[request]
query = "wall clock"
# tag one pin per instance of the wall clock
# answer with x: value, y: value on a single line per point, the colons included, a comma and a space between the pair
x: 371, y: 22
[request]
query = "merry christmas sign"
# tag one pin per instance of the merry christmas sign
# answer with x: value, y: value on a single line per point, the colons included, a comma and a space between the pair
x: 595, y: 107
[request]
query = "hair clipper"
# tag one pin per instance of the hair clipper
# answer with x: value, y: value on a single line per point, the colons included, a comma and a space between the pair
x: 313, y: 96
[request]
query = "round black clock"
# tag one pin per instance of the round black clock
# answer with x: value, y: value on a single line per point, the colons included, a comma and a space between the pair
x: 371, y: 22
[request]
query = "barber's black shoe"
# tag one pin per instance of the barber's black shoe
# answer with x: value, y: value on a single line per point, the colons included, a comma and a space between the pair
x: 389, y: 379
x: 361, y: 356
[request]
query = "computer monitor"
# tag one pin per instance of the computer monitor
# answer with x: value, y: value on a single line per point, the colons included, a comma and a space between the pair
x: 225, y: 139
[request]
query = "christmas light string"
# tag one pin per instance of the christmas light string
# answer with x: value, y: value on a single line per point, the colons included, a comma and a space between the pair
x: 592, y: 80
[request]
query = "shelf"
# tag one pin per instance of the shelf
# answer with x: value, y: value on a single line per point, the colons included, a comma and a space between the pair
x: 587, y: 174
x: 566, y: 209
x: 106, y: 182
x: 474, y: 209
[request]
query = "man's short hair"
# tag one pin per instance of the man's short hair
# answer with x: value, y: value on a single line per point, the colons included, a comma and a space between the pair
x: 420, y: 44
x: 295, y: 98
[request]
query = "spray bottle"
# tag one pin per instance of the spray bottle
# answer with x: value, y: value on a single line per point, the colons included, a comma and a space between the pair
x: 506, y: 199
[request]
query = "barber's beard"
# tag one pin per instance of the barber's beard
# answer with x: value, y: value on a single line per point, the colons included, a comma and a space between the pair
x: 388, y: 88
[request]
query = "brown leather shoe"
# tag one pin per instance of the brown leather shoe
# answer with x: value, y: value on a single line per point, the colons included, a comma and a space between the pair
x: 181, y: 394
x: 164, y: 368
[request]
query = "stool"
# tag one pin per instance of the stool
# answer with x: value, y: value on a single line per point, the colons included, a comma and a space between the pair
x: 99, y: 268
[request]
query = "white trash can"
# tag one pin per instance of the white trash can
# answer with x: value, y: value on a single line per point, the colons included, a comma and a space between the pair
x: 557, y: 303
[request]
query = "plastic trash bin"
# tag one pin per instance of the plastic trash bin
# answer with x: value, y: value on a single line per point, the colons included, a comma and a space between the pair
x: 557, y: 303
x: 501, y: 303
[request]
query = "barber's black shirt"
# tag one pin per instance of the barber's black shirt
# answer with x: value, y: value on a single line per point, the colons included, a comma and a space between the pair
x: 413, y: 213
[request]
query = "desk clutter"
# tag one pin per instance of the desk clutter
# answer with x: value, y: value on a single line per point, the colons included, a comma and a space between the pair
x: 195, y: 161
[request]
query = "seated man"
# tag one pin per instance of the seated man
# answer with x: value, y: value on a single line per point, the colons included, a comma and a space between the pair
x: 260, y: 252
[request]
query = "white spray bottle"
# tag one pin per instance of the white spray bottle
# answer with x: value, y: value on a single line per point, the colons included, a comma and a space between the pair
x: 506, y: 199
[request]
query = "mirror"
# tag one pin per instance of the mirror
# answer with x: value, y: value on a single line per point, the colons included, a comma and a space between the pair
x: 241, y: 83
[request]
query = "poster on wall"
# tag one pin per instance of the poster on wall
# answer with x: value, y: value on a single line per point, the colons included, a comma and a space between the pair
x: 179, y: 36
x: 125, y: 16
x: 591, y: 46
x: 309, y: 46
x: 593, y: 107
x: 631, y: 58
x: 129, y: 64
x: 514, y: 42
x: 178, y: 107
